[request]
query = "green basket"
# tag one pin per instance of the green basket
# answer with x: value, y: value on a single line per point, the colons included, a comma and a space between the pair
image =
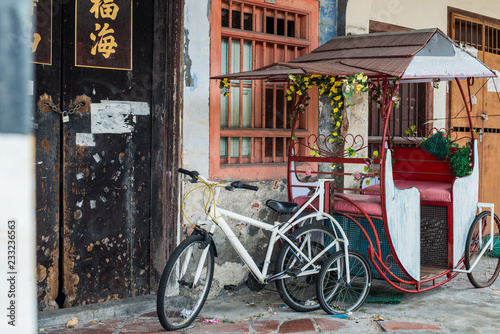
x: 437, y: 144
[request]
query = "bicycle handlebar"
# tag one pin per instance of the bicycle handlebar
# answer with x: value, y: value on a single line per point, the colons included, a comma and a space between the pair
x: 236, y: 184
x: 193, y: 174
x: 241, y: 185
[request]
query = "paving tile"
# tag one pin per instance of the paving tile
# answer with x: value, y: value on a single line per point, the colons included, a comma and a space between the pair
x: 108, y: 324
x: 143, y: 325
x: 81, y: 331
x: 266, y: 326
x: 328, y: 324
x: 149, y: 315
x: 239, y: 327
x: 392, y: 325
x: 297, y: 326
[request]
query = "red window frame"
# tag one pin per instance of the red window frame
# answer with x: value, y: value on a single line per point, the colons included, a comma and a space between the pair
x: 266, y: 161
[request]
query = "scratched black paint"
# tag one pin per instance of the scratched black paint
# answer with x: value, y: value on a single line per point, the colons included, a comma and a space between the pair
x: 100, y: 196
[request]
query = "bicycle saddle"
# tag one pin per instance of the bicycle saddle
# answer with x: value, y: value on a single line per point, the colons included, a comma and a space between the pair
x: 283, y: 207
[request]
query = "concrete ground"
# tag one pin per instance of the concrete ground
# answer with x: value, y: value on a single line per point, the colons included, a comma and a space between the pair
x: 456, y: 307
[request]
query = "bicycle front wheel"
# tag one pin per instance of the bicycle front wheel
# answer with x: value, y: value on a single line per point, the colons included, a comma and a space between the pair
x: 185, y: 283
x: 336, y: 295
x: 299, y: 292
x: 486, y: 270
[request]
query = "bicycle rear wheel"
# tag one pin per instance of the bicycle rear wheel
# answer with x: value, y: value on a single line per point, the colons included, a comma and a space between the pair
x: 486, y: 270
x: 300, y: 292
x: 335, y: 294
x: 180, y: 298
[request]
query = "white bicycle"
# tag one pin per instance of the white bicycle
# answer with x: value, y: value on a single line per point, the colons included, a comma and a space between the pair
x: 186, y: 280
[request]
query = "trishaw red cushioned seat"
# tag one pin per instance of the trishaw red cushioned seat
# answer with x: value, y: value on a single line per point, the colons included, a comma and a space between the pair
x: 369, y: 203
x: 429, y: 191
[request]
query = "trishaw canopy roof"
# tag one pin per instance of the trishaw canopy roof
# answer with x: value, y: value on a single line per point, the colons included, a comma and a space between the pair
x: 412, y: 55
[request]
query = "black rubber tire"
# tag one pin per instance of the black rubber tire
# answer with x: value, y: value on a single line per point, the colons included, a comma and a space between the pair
x: 335, y: 296
x: 177, y: 304
x: 299, y: 293
x: 487, y: 269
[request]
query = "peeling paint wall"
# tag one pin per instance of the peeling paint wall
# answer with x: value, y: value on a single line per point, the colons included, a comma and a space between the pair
x: 195, y: 146
x: 429, y: 14
x: 248, y: 203
x: 195, y: 122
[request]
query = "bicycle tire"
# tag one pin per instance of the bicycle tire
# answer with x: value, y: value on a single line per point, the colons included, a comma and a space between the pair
x: 179, y: 301
x: 334, y: 294
x: 299, y: 293
x: 487, y: 269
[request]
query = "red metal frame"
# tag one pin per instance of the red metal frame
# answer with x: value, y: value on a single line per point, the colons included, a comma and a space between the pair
x: 374, y: 249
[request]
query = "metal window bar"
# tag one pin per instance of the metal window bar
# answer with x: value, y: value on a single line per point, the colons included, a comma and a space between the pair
x: 262, y: 53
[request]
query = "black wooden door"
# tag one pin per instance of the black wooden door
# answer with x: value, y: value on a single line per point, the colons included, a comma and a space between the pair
x: 94, y: 164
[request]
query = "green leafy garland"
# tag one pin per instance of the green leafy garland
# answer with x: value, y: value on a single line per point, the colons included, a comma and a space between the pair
x: 340, y: 93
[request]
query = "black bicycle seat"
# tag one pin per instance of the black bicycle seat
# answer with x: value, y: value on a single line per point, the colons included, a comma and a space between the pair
x: 283, y: 207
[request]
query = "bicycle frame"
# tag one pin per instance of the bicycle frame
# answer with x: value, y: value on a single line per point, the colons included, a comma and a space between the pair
x: 278, y: 231
x: 489, y: 244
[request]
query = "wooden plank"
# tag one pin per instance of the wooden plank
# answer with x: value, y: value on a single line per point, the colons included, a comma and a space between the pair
x: 492, y: 98
x: 107, y: 185
x: 167, y: 97
x: 47, y: 132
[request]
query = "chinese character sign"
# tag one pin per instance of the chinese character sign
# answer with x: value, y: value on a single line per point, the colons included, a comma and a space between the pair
x: 41, y: 31
x: 104, y: 34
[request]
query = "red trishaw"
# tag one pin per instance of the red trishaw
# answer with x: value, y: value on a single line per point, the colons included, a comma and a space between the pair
x: 415, y: 214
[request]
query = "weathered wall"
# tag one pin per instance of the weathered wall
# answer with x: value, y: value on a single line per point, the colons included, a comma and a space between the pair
x: 229, y: 268
x: 195, y: 123
x: 428, y: 14
x: 196, y: 137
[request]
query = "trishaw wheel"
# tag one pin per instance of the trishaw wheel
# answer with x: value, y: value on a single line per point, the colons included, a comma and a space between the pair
x: 336, y: 295
x: 487, y: 268
x: 299, y: 292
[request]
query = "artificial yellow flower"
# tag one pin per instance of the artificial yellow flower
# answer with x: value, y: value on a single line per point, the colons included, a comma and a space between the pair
x: 359, y: 77
x: 292, y: 88
x: 335, y: 110
x: 359, y: 87
x: 364, y: 78
x: 336, y: 98
x: 299, y: 92
x: 332, y: 79
x: 338, y: 124
x: 340, y: 104
x: 335, y: 134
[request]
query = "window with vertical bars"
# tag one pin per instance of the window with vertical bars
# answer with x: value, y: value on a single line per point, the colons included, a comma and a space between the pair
x: 414, y: 107
x: 254, y: 118
x: 480, y: 34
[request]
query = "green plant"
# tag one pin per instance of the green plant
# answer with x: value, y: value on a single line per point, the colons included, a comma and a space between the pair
x: 461, y: 161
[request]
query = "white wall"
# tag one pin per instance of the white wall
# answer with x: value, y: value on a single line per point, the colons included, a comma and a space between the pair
x: 196, y: 116
x: 428, y: 14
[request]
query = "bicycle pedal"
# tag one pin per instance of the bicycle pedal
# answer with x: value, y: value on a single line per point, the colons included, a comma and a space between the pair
x: 294, y: 271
